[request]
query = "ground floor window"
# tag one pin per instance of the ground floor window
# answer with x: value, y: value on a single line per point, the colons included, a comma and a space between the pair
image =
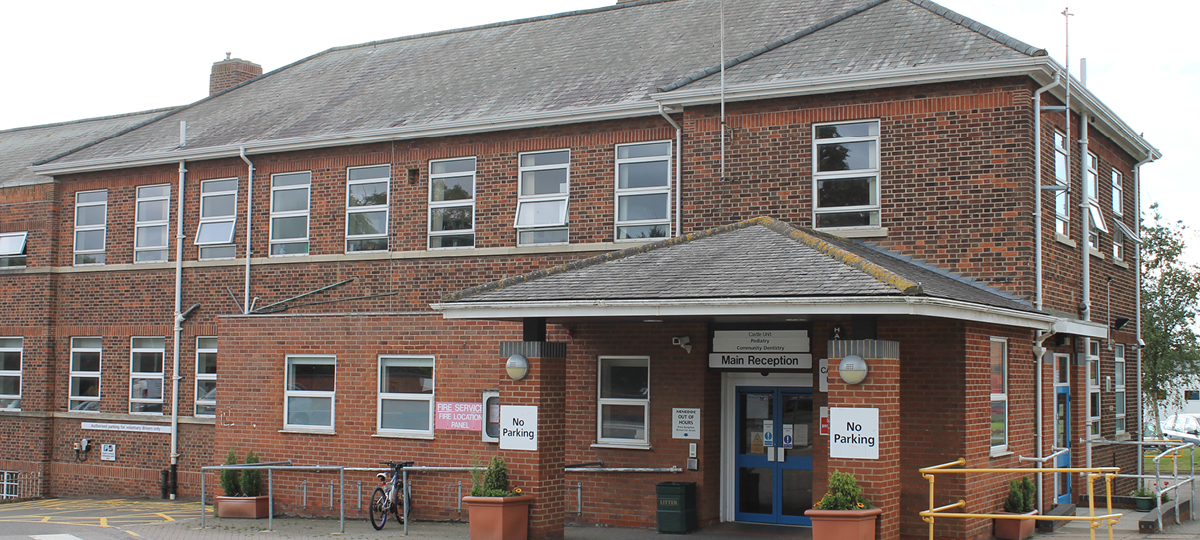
x: 85, y: 374
x: 206, y: 376
x: 9, y: 484
x: 999, y: 402
x: 624, y: 400
x: 406, y: 395
x: 309, y: 394
x: 10, y: 373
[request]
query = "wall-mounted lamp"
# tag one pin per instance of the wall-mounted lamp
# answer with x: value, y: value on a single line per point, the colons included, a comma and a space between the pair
x: 517, y: 367
x: 853, y: 369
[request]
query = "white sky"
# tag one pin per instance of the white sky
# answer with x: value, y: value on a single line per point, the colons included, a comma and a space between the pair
x: 67, y: 60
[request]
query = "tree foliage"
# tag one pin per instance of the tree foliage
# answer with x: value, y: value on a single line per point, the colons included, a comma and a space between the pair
x: 1170, y: 301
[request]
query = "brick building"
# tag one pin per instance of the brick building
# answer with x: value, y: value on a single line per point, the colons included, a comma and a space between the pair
x: 659, y: 238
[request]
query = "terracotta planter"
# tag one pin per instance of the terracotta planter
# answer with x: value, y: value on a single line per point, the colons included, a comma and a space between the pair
x: 499, y: 518
x: 843, y: 524
x: 1015, y: 529
x: 243, y: 507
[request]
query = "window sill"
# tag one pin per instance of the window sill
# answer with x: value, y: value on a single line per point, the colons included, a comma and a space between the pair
x: 995, y: 454
x: 1096, y: 253
x: 386, y: 435
x: 308, y: 431
x: 1064, y: 240
x: 1121, y: 263
x: 616, y: 446
x: 861, y: 232
x: 1122, y: 437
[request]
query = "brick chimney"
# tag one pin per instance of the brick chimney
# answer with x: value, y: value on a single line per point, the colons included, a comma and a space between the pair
x: 231, y: 72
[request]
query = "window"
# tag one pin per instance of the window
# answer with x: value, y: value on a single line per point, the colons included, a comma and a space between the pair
x: 1118, y: 193
x: 846, y: 175
x: 11, y: 350
x: 289, y: 213
x: 1062, y: 198
x: 544, y: 182
x: 406, y: 395
x: 1096, y: 217
x: 206, y: 376
x: 218, y: 217
x: 308, y: 396
x: 1118, y: 244
x: 1191, y: 395
x: 12, y: 249
x: 452, y: 203
x: 643, y: 191
x: 152, y: 223
x: 1119, y: 387
x: 91, y: 217
x: 999, y: 408
x: 1093, y: 388
x: 623, y: 413
x: 367, y: 208
x: 9, y: 481
x: 146, y: 376
x: 85, y: 374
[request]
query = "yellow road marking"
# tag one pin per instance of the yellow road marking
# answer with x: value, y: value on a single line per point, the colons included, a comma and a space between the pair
x: 131, y: 533
x: 164, y: 516
x: 103, y: 522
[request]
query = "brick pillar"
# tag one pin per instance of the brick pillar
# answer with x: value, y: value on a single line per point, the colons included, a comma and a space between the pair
x: 540, y: 473
x: 231, y: 72
x: 880, y: 479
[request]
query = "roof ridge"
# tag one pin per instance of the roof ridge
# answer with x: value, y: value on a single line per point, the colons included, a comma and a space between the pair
x: 824, y: 243
x: 82, y: 120
x: 770, y: 46
x: 980, y: 28
x: 876, y: 247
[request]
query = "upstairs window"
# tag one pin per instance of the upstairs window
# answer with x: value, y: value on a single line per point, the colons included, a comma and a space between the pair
x: 218, y: 218
x: 452, y: 203
x: 289, y: 213
x: 11, y: 349
x: 153, y: 221
x: 367, y: 208
x: 999, y: 382
x: 1118, y: 193
x: 12, y: 249
x: 146, y: 376
x: 846, y: 175
x: 543, y: 185
x: 91, y: 218
x: 1062, y: 197
x: 643, y: 191
x: 1095, y: 216
x: 206, y: 376
x: 85, y: 374
x: 406, y: 395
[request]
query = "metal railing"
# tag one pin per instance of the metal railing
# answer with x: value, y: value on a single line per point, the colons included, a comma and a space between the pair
x: 20, y: 484
x: 1093, y: 473
x: 1176, y: 448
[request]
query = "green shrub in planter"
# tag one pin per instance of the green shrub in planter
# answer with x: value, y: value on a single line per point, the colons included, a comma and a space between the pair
x: 229, y: 478
x: 251, y: 479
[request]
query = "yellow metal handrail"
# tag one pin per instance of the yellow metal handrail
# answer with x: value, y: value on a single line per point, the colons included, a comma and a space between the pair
x: 1093, y: 473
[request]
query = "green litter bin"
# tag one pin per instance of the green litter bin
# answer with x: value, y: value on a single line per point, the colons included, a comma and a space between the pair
x: 676, y: 507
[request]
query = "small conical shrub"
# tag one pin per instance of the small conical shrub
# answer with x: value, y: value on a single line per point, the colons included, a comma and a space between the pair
x: 251, y: 479
x: 229, y: 478
x: 495, y: 480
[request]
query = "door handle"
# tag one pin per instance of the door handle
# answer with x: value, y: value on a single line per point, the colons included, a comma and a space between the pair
x: 782, y: 456
x: 770, y: 453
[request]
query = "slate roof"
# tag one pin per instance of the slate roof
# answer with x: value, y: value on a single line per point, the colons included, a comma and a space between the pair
x: 22, y: 147
x: 572, y: 61
x: 757, y: 258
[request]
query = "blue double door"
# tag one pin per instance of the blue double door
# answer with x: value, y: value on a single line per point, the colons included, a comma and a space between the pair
x: 773, y: 481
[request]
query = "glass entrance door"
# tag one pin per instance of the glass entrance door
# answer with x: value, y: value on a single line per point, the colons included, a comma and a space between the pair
x: 774, y: 462
x: 1062, y: 426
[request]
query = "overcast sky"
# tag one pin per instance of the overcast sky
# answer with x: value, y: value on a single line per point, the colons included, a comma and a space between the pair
x: 66, y: 60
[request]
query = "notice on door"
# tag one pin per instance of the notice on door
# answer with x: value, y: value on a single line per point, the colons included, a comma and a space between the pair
x: 685, y: 424
x: 854, y: 432
x: 518, y: 427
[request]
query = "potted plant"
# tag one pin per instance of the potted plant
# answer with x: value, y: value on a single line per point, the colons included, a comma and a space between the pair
x: 1144, y: 499
x: 843, y: 513
x: 243, y: 492
x: 1022, y: 497
x: 494, y: 511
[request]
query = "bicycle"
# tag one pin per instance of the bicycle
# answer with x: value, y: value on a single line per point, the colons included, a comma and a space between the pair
x: 383, y: 500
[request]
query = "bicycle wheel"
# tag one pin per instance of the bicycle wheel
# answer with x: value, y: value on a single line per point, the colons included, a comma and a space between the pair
x: 379, y: 509
x: 399, y: 509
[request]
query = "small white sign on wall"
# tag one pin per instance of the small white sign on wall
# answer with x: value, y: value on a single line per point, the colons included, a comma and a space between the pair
x: 108, y: 452
x: 685, y: 424
x: 518, y: 427
x: 854, y: 432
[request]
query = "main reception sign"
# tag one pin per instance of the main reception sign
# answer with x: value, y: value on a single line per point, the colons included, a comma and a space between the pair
x: 760, y: 349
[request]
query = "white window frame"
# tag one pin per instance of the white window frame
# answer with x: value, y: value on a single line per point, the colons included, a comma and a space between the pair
x: 316, y: 359
x: 999, y: 397
x: 619, y: 192
x: 162, y: 249
x: 284, y: 214
x: 1094, y: 403
x: 369, y: 209
x: 818, y: 176
x: 208, y: 249
x: 405, y: 360
x: 98, y: 254
x: 563, y: 197
x: 601, y: 402
x: 1092, y: 177
x: 1119, y: 395
x: 1118, y: 193
x: 79, y: 374
x: 1062, y: 197
x: 454, y: 203
x: 204, y: 377
x: 135, y: 376
x: 12, y: 248
x: 6, y: 347
x: 1118, y: 244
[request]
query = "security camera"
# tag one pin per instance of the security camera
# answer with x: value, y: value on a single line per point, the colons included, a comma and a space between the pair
x: 681, y: 341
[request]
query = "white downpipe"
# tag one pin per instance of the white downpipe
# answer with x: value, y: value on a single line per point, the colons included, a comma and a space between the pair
x: 179, y: 237
x: 678, y: 169
x: 1085, y: 222
x: 1037, y: 207
x: 722, y: 125
x: 249, y: 223
x: 1137, y: 262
